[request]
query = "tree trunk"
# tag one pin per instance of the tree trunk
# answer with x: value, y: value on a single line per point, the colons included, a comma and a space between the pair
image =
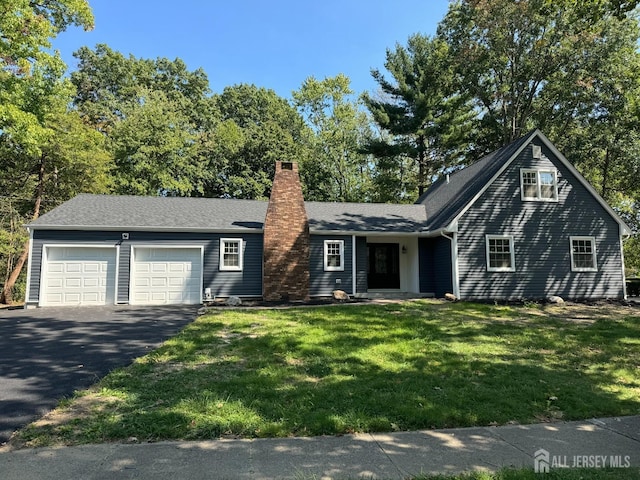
x: 604, y: 186
x: 421, y: 151
x: 7, y: 291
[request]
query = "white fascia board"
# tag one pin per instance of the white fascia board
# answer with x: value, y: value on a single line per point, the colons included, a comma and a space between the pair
x: 364, y: 233
x: 111, y: 228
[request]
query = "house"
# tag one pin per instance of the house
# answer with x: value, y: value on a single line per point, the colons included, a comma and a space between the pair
x: 519, y: 223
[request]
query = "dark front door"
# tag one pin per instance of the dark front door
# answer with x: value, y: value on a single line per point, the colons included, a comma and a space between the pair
x: 384, y: 265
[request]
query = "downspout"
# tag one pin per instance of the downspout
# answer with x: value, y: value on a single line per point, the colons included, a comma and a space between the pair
x: 454, y: 261
x: 623, y: 237
x: 353, y: 265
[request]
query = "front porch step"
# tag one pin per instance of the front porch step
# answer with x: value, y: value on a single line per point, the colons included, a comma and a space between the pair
x: 394, y: 295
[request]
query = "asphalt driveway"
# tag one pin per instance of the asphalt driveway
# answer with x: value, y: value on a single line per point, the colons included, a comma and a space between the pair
x: 47, y: 354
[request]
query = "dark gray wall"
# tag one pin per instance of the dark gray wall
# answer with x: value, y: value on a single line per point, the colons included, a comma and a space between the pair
x: 223, y: 283
x: 541, y: 233
x: 321, y: 282
x: 435, y: 266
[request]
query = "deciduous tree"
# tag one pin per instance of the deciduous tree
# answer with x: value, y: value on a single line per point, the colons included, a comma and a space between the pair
x: 339, y: 170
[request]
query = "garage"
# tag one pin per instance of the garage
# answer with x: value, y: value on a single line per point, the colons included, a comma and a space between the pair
x: 165, y: 276
x: 74, y: 275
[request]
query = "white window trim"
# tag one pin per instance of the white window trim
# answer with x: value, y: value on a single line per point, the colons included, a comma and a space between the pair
x: 538, y: 171
x: 594, y: 254
x: 232, y: 268
x: 328, y: 268
x: 512, y: 268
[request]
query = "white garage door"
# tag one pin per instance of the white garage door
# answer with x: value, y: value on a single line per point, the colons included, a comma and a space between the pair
x: 162, y: 276
x: 79, y: 276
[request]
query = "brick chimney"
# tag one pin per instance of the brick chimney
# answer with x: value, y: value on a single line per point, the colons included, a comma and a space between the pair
x: 286, y: 238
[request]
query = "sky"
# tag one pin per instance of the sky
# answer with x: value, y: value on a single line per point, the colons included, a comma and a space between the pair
x: 274, y: 44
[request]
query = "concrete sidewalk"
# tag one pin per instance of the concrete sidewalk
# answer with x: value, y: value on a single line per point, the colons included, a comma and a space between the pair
x: 387, y: 455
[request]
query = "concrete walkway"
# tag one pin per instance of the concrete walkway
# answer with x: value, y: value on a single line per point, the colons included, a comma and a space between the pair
x: 595, y: 443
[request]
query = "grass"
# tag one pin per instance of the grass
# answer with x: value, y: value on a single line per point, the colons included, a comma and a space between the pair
x: 371, y: 368
x: 528, y: 474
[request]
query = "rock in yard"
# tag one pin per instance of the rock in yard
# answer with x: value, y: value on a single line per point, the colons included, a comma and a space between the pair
x: 555, y: 299
x: 233, y: 301
x: 340, y: 295
x: 450, y: 296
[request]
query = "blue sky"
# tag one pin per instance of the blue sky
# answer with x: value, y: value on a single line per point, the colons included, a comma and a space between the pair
x: 274, y: 44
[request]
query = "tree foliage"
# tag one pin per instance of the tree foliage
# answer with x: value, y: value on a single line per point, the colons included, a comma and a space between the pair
x: 422, y: 116
x: 257, y: 127
x: 339, y: 170
x: 41, y: 145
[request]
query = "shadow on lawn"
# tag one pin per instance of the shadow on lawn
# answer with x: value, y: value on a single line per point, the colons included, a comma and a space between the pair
x: 367, y: 368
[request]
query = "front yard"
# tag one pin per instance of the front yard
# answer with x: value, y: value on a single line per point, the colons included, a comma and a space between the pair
x: 363, y: 368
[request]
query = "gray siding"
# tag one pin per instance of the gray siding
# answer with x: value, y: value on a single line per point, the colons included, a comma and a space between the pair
x: 247, y: 282
x: 362, y: 262
x: 435, y: 266
x: 541, y: 232
x: 321, y: 282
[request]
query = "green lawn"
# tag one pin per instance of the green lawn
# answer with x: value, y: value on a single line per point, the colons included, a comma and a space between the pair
x: 560, y: 474
x: 363, y: 368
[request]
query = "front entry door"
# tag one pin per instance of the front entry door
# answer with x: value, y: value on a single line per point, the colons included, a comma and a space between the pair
x: 384, y: 265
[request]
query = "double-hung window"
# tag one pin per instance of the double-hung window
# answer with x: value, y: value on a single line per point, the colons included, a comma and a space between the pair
x: 231, y: 254
x: 583, y: 254
x: 334, y: 255
x: 500, y: 255
x: 539, y: 184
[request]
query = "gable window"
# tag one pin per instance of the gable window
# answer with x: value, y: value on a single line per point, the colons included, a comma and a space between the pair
x: 231, y: 254
x: 334, y: 255
x: 583, y: 254
x: 539, y: 184
x: 500, y: 257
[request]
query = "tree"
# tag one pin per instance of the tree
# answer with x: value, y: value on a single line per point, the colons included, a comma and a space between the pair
x: 257, y: 127
x: 425, y: 119
x: 71, y: 160
x: 106, y: 81
x: 339, y: 170
x: 157, y: 117
x: 528, y: 63
x: 26, y: 63
x: 32, y: 99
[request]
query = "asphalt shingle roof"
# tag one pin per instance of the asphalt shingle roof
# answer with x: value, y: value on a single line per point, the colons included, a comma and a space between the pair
x: 117, y: 211
x: 178, y: 213
x: 445, y: 200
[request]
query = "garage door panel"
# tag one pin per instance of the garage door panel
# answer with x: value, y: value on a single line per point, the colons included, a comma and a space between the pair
x: 166, y: 275
x: 158, y: 267
x: 79, y: 276
x: 72, y: 267
x: 158, y: 282
x: 72, y: 282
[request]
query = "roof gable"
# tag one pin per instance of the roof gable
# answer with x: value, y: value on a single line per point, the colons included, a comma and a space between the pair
x: 446, y: 202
